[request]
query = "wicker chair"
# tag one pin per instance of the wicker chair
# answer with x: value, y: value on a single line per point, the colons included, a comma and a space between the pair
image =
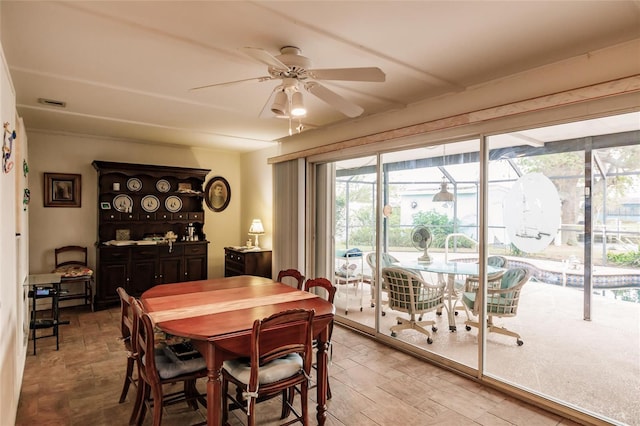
x: 501, y: 301
x: 408, y: 292
x: 387, y: 260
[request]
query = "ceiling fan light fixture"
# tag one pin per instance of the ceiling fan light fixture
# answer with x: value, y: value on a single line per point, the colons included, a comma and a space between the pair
x: 443, y: 196
x: 279, y: 106
x: 297, y: 105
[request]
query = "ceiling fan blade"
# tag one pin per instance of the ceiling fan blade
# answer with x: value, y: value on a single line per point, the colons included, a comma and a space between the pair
x: 346, y: 107
x: 265, y: 57
x: 348, y: 74
x: 260, y: 79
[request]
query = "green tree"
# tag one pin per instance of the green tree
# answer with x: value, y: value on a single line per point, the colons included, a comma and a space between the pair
x: 440, y: 226
x: 567, y: 170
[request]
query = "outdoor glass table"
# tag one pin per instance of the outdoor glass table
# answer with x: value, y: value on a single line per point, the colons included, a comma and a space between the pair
x: 450, y: 269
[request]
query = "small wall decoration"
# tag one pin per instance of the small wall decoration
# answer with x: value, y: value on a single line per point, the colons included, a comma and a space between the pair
x: 217, y: 193
x: 7, y: 165
x: 62, y: 190
x: 26, y: 198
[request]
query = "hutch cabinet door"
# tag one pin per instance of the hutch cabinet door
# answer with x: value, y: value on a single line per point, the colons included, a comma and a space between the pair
x: 143, y: 275
x: 195, y: 268
x: 111, y: 275
x: 170, y: 270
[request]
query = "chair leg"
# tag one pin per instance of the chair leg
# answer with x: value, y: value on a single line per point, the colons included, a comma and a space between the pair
x: 191, y: 393
x: 127, y: 379
x: 501, y: 330
x: 137, y: 406
x: 144, y: 390
x: 251, y: 418
x: 158, y: 402
x: 304, y: 398
x: 288, y: 396
x: 404, y: 324
x: 492, y: 328
x: 225, y: 404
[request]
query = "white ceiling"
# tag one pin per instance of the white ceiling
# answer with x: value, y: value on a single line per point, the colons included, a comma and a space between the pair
x: 124, y: 69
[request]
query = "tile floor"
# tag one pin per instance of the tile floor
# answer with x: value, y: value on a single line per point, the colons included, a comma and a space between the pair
x: 372, y: 385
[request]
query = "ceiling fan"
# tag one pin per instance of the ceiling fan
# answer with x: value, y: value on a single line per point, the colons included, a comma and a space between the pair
x: 295, y: 73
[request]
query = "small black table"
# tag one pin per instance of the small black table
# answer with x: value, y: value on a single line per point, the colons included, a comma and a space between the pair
x: 44, y: 286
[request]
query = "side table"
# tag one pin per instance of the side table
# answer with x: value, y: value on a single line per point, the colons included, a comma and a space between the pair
x: 44, y: 286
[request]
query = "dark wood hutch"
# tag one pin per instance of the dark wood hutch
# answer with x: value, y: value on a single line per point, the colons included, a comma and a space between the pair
x: 137, y: 205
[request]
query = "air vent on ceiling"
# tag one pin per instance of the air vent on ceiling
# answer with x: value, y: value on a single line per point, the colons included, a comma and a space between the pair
x: 52, y: 102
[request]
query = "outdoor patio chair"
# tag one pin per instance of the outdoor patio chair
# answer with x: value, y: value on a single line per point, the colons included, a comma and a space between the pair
x: 493, y: 280
x: 501, y: 301
x: 408, y: 292
x: 387, y: 260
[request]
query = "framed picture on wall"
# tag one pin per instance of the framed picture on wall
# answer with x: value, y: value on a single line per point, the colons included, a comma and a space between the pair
x: 217, y: 193
x: 62, y: 190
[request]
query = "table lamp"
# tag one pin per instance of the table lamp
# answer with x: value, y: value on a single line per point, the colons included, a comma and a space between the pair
x: 256, y: 229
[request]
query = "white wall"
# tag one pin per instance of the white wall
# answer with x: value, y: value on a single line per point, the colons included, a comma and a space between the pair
x: 55, y: 226
x: 257, y: 195
x: 13, y: 234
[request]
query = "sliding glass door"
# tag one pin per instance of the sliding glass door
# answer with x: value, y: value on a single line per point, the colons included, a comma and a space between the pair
x: 570, y: 217
x: 535, y: 249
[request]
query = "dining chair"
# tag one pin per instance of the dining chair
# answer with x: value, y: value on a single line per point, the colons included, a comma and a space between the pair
x: 325, y: 289
x: 71, y: 262
x: 329, y: 293
x: 408, y: 292
x: 501, y: 301
x: 280, y: 359
x: 126, y: 330
x: 159, y: 366
x: 293, y: 273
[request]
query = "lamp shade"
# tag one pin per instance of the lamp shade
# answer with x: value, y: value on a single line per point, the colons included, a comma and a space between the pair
x: 256, y: 227
x: 297, y: 105
x: 443, y: 196
x: 279, y: 106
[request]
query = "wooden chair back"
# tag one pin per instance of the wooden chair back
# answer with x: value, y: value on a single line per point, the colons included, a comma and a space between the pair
x: 70, y: 255
x: 293, y: 273
x: 126, y: 317
x: 144, y: 343
x: 279, y: 335
x: 330, y: 289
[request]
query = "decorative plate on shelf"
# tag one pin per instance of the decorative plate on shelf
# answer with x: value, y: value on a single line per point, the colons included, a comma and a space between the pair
x: 150, y: 203
x: 163, y: 185
x: 173, y: 204
x: 123, y: 203
x: 134, y: 184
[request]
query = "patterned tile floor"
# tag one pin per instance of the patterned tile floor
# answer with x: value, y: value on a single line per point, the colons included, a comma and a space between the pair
x: 372, y: 384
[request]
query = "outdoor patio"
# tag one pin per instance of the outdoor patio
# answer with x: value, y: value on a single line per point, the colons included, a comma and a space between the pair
x: 594, y: 365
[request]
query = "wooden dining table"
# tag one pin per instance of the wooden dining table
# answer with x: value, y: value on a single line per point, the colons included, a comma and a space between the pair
x: 218, y: 315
